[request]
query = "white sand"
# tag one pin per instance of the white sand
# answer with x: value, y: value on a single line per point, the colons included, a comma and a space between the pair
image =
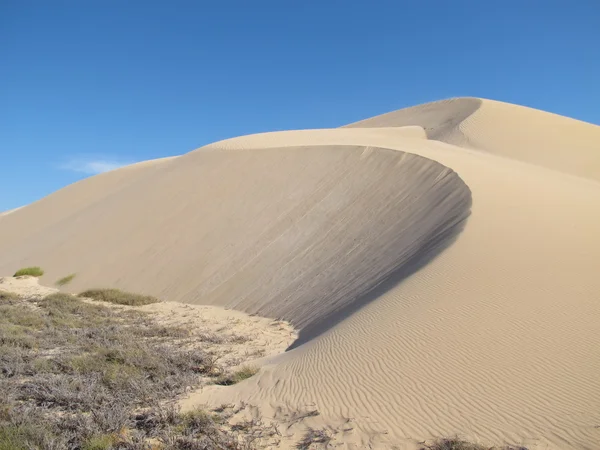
x: 25, y: 286
x: 411, y: 325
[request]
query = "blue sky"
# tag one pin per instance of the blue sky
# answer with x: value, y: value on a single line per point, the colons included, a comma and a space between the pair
x: 87, y: 85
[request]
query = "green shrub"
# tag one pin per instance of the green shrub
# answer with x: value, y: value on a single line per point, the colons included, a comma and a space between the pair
x: 65, y: 280
x: 24, y: 437
x: 235, y: 377
x: 33, y: 271
x: 100, y: 442
x: 119, y: 297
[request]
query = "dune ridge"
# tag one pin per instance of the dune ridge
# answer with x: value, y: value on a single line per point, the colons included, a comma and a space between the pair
x: 440, y: 262
x: 518, y: 132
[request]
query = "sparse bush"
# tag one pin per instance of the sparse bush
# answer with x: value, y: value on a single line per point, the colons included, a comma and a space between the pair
x: 33, y: 271
x: 100, y: 442
x: 459, y: 444
x: 313, y: 436
x: 110, y: 365
x: 237, y: 376
x: 119, y: 297
x: 65, y: 280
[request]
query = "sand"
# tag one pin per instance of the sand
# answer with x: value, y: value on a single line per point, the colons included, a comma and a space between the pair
x: 25, y: 286
x: 440, y: 262
x: 10, y: 211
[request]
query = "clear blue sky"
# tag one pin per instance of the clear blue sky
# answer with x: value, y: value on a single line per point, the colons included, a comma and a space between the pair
x: 88, y: 84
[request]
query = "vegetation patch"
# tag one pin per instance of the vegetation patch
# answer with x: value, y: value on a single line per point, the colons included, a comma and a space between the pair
x: 32, y: 271
x: 8, y: 297
x: 237, y: 376
x: 459, y: 444
x: 78, y: 375
x: 65, y: 280
x: 119, y: 297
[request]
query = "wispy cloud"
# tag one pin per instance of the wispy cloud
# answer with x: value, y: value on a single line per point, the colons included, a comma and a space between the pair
x: 93, y: 166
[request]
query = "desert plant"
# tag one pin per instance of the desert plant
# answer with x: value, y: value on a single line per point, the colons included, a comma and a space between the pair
x: 65, y: 280
x: 33, y: 271
x: 237, y: 376
x: 459, y: 444
x: 313, y: 436
x: 119, y: 297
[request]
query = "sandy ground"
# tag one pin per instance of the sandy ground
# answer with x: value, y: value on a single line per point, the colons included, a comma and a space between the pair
x: 25, y: 286
x: 441, y: 263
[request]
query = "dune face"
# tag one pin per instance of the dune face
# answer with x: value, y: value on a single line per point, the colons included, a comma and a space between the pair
x: 440, y: 263
x: 293, y: 233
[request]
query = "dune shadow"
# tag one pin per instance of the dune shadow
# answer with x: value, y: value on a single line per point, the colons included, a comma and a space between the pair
x: 440, y: 239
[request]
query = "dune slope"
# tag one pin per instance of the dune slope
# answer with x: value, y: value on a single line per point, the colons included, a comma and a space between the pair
x: 494, y: 339
x: 293, y: 233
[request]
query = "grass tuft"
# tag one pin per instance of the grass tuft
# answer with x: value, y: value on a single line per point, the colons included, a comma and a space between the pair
x: 237, y: 376
x: 119, y: 297
x: 65, y: 280
x: 33, y: 271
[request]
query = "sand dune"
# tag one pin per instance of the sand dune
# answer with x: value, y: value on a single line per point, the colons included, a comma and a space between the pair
x: 440, y: 262
x: 303, y: 226
x: 517, y: 132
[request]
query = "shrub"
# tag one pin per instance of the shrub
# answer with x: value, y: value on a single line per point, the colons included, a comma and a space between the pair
x: 459, y: 444
x: 65, y: 280
x: 119, y: 297
x: 313, y: 436
x: 100, y: 442
x: 33, y: 271
x: 13, y: 437
x: 235, y: 377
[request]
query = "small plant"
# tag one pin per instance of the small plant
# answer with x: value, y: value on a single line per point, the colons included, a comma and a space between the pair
x: 33, y: 271
x: 459, y: 444
x: 100, y: 442
x: 119, y: 297
x: 23, y: 437
x: 313, y: 436
x: 65, y: 280
x: 235, y: 377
